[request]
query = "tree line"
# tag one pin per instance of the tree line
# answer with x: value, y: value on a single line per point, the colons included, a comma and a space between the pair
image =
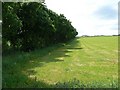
x: 31, y: 25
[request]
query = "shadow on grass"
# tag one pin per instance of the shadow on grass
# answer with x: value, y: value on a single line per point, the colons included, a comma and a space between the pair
x: 18, y: 68
x: 74, y: 48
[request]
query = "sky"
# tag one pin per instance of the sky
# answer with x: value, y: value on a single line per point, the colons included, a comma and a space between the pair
x: 89, y: 17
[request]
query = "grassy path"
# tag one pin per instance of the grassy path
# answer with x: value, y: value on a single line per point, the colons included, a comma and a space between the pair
x: 90, y: 59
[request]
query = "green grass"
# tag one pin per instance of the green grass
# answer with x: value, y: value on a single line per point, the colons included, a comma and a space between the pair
x: 89, y: 61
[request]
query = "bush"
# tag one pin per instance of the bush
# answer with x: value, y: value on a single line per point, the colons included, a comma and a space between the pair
x: 28, y: 26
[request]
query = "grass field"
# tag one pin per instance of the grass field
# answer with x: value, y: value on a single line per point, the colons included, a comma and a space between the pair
x: 82, y: 62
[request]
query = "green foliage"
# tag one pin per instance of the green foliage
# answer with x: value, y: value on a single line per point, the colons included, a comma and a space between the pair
x: 74, y: 83
x: 11, y: 25
x: 28, y: 26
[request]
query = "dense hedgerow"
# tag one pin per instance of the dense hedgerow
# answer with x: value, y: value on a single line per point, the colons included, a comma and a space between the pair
x: 31, y: 25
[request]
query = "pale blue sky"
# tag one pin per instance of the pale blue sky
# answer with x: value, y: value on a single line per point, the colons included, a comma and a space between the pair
x: 89, y: 17
x: 106, y: 12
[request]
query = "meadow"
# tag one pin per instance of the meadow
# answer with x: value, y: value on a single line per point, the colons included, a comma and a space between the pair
x: 84, y: 62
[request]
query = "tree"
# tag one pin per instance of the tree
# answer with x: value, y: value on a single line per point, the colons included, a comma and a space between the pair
x: 11, y: 25
x: 31, y: 25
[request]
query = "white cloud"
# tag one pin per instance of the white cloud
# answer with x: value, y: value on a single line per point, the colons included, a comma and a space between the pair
x: 81, y: 14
